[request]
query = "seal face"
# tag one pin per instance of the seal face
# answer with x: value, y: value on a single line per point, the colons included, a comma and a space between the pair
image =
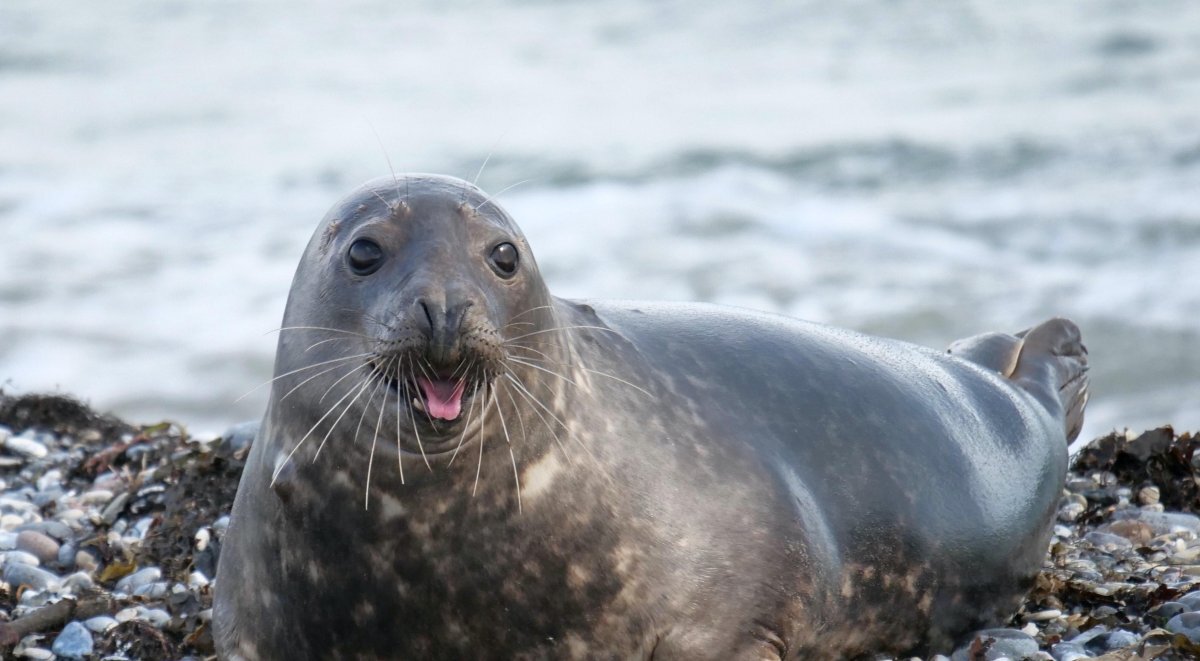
x: 455, y: 464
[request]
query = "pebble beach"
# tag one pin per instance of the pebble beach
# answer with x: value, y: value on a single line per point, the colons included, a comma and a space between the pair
x: 110, y: 534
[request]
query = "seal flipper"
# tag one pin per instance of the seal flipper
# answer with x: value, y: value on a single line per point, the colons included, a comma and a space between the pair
x: 1048, y: 360
x: 1053, y: 366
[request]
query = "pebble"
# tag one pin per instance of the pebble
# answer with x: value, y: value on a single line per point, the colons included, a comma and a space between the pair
x: 241, y: 435
x: 17, y: 574
x: 1107, y: 541
x: 25, y: 446
x: 1007, y: 643
x: 1068, y: 651
x: 86, y: 561
x: 66, y: 556
x: 1149, y: 495
x: 137, y: 579
x: 1165, y: 611
x: 1112, y: 640
x: 1187, y: 624
x: 96, y: 497
x: 75, y: 642
x: 78, y: 582
x: 22, y: 557
x: 156, y: 590
x: 155, y: 616
x: 114, y: 507
x: 100, y: 623
x: 1190, y: 601
x: 37, y: 653
x: 125, y: 615
x: 1043, y: 616
x: 1162, y: 522
x: 197, y: 580
x: 1136, y: 532
x: 39, y: 544
x: 55, y: 529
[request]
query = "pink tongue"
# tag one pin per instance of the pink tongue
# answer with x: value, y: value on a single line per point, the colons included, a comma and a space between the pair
x: 443, y: 399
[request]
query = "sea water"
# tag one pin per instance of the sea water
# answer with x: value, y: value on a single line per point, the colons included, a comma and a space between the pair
x: 918, y: 170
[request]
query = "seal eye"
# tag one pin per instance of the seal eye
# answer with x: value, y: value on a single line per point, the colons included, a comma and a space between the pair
x: 504, y: 259
x: 365, y: 257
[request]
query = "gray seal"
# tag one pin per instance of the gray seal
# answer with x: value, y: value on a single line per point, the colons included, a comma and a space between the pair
x: 456, y: 464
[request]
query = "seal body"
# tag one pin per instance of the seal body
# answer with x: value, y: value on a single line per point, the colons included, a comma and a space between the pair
x: 621, y: 479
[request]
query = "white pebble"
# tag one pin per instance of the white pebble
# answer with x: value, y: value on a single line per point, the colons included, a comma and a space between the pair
x: 137, y: 579
x: 155, y: 616
x: 11, y: 521
x: 26, y: 446
x: 8, y: 540
x: 100, y: 623
x: 21, y: 557
x: 197, y: 579
x: 126, y: 615
x: 221, y: 524
x: 37, y: 653
x: 96, y: 497
x: 202, y: 539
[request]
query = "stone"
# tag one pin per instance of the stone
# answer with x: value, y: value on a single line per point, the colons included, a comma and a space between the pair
x: 1187, y: 624
x: 75, y: 642
x: 1005, y: 643
x: 41, y: 545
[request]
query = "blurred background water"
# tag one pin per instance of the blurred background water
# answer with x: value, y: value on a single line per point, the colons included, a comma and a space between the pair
x: 918, y: 170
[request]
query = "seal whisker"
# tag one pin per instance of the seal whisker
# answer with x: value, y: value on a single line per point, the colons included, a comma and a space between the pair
x: 399, y: 400
x: 332, y: 339
x: 532, y: 309
x: 321, y: 328
x: 482, y: 420
x: 324, y: 371
x: 275, y: 474
x: 580, y: 367
x: 567, y: 429
x: 413, y: 364
x: 307, y: 367
x: 559, y: 328
x: 366, y: 384
x: 547, y: 371
x: 499, y: 193
x: 374, y: 440
x: 416, y: 432
x: 334, y: 385
x: 387, y: 158
x: 466, y: 425
x: 545, y: 422
x: 508, y: 441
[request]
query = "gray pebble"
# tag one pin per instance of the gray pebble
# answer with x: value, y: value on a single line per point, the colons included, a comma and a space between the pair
x: 1165, y: 611
x: 114, y: 508
x: 66, y: 556
x: 8, y: 540
x: 1069, y: 651
x: 1162, y: 522
x: 156, y: 590
x: 1190, y: 601
x: 1113, y: 640
x: 96, y: 497
x: 1187, y: 624
x: 56, y: 529
x: 1107, y: 541
x: 75, y: 642
x: 137, y: 579
x: 17, y: 574
x: 1008, y: 643
x: 39, y: 544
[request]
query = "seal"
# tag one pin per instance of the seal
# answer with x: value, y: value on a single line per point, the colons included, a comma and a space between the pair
x: 455, y: 464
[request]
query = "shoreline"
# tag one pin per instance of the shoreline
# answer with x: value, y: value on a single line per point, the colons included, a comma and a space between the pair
x: 110, y: 534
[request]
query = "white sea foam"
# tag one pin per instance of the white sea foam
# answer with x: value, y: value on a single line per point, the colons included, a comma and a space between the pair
x: 915, y: 172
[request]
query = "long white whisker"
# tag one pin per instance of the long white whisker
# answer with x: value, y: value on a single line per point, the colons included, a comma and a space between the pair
x: 301, y: 369
x: 416, y: 432
x: 538, y: 367
x: 275, y: 475
x: 320, y: 328
x: 399, y: 400
x: 482, y: 420
x: 466, y: 424
x: 366, y: 384
x: 578, y: 367
x: 500, y: 192
x: 375, y: 439
x: 549, y: 428
x: 508, y: 441
x: 558, y: 328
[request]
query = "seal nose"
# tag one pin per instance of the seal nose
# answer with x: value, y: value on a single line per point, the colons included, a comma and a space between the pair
x: 441, y: 323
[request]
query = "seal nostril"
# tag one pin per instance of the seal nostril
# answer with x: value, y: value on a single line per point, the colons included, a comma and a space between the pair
x: 428, y: 315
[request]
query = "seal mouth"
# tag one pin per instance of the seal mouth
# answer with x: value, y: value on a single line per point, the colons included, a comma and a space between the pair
x: 435, y: 398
